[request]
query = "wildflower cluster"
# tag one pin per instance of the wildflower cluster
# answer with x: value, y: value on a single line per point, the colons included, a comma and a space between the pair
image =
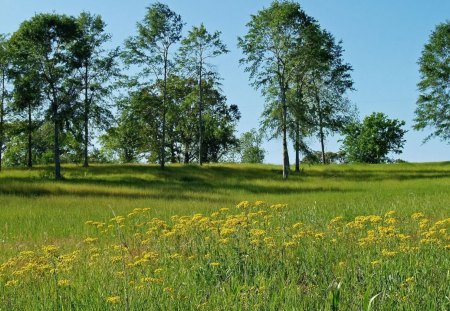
x: 246, y: 252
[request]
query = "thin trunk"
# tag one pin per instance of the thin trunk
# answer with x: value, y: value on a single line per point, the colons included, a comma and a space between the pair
x: 297, y: 146
x: 30, y: 145
x: 200, y: 123
x: 173, y: 158
x: 163, y: 140
x: 322, y: 145
x: 2, y: 112
x: 186, y: 154
x: 56, y: 142
x: 321, y: 133
x: 86, y: 119
x: 56, y: 151
x: 284, y: 129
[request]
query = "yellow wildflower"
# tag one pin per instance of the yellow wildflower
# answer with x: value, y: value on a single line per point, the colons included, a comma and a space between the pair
x: 113, y: 300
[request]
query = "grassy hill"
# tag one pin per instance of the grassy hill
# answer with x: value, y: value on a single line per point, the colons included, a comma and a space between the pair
x: 37, y: 211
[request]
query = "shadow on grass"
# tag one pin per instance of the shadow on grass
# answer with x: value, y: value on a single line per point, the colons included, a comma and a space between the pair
x: 191, y: 182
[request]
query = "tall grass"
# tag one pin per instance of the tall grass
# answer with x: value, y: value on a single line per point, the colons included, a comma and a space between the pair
x: 302, y: 257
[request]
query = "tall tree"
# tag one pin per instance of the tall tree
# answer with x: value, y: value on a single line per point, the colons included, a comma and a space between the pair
x: 197, y: 48
x: 329, y: 81
x: 46, y: 40
x: 270, y: 47
x: 97, y: 66
x: 150, y: 49
x: 27, y: 99
x: 433, y: 105
x: 4, y: 74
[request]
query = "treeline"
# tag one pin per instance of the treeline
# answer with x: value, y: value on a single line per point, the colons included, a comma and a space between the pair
x: 66, y: 97
x: 63, y: 92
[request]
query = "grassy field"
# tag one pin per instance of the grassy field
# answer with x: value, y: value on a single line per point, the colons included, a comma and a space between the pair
x: 348, y: 234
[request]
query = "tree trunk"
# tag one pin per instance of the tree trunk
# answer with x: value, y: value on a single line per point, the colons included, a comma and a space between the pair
x: 2, y: 112
x: 200, y: 123
x: 322, y: 144
x: 173, y: 158
x: 186, y: 154
x: 56, y: 151
x: 86, y: 119
x: 286, y: 167
x: 321, y: 133
x: 297, y: 146
x: 30, y: 146
x: 163, y: 139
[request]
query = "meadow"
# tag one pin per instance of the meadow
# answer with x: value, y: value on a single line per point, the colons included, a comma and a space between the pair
x: 226, y: 237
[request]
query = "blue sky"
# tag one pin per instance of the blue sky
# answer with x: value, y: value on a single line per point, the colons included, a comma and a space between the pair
x: 383, y: 40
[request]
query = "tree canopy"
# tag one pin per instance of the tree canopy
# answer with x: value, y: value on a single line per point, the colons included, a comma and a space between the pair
x: 371, y: 140
x: 433, y: 105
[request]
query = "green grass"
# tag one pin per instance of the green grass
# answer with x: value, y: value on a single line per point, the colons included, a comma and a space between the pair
x: 36, y: 211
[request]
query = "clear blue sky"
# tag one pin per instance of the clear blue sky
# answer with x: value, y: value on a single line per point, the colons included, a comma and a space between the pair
x: 383, y: 40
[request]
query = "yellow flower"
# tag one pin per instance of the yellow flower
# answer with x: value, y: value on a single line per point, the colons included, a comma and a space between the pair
x: 319, y: 235
x: 89, y: 240
x: 389, y: 214
x: 63, y: 283
x: 410, y: 280
x: 257, y: 232
x: 375, y: 262
x: 11, y: 283
x: 50, y: 249
x: 417, y: 216
x: 289, y: 244
x: 387, y: 253
x: 243, y: 204
x: 113, y: 300
x: 214, y: 264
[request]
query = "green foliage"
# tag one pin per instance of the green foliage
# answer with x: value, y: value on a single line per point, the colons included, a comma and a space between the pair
x: 433, y: 105
x: 271, y: 48
x: 196, y: 50
x: 97, y: 68
x: 150, y: 50
x: 250, y: 147
x: 372, y: 140
x: 42, y: 47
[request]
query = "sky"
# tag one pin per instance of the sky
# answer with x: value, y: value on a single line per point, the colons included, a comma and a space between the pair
x: 382, y: 39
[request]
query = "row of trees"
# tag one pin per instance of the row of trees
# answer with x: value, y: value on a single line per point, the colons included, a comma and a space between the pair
x: 300, y: 70
x: 60, y: 87
x: 59, y: 81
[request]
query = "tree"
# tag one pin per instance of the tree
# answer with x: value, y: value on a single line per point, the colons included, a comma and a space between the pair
x: 45, y: 41
x: 4, y: 94
x: 329, y: 81
x: 270, y: 47
x: 373, y: 139
x: 196, y: 49
x: 433, y: 105
x: 150, y: 49
x: 96, y: 67
x: 250, y: 147
x: 28, y: 98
